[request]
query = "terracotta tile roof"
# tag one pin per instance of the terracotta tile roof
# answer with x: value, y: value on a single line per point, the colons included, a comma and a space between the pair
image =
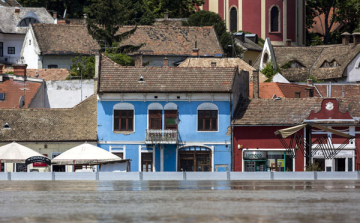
x: 49, y: 74
x: 115, y: 78
x: 317, y: 26
x: 70, y: 124
x: 338, y: 90
x: 283, y: 90
x: 15, y: 89
x: 64, y: 39
x: 288, y: 111
x: 9, y: 20
x: 221, y: 62
x: 172, y: 40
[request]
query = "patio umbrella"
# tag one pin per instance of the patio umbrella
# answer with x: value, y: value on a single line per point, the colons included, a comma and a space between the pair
x: 16, y: 153
x: 85, y: 154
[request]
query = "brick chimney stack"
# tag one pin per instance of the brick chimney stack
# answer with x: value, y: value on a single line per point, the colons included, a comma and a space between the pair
x: 345, y: 38
x: 213, y: 64
x: 356, y: 37
x: 20, y: 69
x: 165, y: 62
x: 309, y: 82
x: 138, y: 60
x: 256, y: 84
x: 166, y: 15
x: 55, y: 15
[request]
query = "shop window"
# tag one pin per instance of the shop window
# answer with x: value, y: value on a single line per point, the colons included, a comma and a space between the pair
x: 123, y: 120
x: 233, y: 19
x: 11, y: 50
x: 274, y: 19
x: 195, y: 158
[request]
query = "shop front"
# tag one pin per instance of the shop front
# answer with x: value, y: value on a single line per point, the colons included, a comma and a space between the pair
x: 344, y: 161
x: 262, y: 160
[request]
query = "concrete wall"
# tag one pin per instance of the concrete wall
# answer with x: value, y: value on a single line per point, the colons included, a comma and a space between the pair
x: 68, y: 93
x: 12, y: 40
x: 62, y: 61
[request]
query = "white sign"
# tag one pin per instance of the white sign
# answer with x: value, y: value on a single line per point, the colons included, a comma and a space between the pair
x: 343, y: 153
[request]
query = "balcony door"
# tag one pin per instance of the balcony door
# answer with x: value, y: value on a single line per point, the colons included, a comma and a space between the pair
x: 155, y: 119
x: 170, y: 119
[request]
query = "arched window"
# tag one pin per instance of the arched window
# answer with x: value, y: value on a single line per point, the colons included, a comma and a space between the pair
x: 195, y: 158
x: 233, y: 19
x: 155, y: 115
x: 123, y: 117
x: 207, y: 117
x: 26, y: 22
x: 274, y: 19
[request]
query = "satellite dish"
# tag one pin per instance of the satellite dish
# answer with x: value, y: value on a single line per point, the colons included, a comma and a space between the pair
x: 21, y: 102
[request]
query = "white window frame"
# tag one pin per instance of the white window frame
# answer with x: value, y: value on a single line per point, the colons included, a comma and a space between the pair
x: 118, y: 149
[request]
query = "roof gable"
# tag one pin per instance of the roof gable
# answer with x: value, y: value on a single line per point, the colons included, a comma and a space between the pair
x: 64, y: 39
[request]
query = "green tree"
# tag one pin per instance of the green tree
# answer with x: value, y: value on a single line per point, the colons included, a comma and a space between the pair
x: 141, y: 13
x: 269, y: 71
x: 175, y: 8
x: 205, y: 18
x: 82, y: 66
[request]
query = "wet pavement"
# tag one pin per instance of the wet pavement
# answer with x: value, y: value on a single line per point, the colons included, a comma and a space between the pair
x: 180, y: 201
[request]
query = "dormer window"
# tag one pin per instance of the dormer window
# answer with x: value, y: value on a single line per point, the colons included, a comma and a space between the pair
x: 27, y: 21
x: 328, y: 64
x: 292, y: 64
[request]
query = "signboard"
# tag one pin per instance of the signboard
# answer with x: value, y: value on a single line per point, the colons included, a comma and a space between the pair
x: 254, y: 155
x: 37, y: 159
x: 342, y: 153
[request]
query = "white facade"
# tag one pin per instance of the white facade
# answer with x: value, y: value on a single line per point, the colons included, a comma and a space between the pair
x: 67, y: 94
x: 353, y: 70
x: 11, y: 40
x: 30, y: 50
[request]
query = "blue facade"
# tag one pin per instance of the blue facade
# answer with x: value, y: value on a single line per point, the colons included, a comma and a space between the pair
x: 165, y: 157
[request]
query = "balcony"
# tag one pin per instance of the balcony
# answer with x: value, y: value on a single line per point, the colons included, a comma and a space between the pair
x: 159, y: 136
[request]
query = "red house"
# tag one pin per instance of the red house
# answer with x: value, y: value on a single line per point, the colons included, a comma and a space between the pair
x: 257, y: 148
x: 279, y: 20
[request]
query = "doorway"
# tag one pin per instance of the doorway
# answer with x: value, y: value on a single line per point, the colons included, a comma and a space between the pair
x: 195, y: 158
x: 147, y: 162
x: 320, y: 164
x: 340, y: 164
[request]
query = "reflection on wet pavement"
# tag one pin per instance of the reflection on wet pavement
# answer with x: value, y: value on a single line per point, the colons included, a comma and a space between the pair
x: 179, y: 201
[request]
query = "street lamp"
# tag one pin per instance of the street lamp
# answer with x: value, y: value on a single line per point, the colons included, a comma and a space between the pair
x: 78, y: 69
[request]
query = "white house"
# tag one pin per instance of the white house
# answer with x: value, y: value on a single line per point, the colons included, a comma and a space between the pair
x: 14, y: 23
x: 54, y: 45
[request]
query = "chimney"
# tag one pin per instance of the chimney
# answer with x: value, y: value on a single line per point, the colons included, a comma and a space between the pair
x: 309, y: 82
x: 20, y: 69
x: 165, y: 62
x: 345, y: 38
x: 356, y: 37
x: 55, y: 15
x: 17, y: 9
x: 256, y: 84
x: 213, y: 64
x: 166, y: 15
x: 288, y: 42
x: 196, y: 50
x: 138, y: 59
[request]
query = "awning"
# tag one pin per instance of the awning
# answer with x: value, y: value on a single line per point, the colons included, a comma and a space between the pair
x: 289, y: 131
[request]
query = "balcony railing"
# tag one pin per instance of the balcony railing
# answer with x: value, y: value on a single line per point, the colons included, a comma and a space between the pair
x: 158, y: 136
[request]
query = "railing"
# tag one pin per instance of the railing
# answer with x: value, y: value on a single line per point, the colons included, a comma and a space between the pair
x: 155, y: 136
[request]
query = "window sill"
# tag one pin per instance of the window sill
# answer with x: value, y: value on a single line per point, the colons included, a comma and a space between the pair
x: 124, y: 132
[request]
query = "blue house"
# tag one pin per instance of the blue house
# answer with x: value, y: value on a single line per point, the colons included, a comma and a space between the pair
x: 168, y: 118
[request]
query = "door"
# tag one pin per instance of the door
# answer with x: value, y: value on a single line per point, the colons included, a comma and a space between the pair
x: 339, y: 164
x: 155, y: 119
x: 320, y: 164
x: 146, y: 162
x: 1, y: 49
x: 170, y: 119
